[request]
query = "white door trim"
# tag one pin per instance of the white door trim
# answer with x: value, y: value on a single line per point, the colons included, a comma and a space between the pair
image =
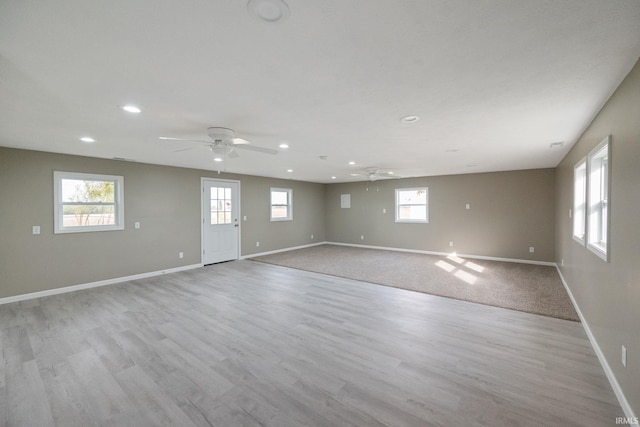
x: 202, y: 181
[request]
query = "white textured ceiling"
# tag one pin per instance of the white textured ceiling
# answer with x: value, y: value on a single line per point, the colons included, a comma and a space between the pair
x: 494, y: 82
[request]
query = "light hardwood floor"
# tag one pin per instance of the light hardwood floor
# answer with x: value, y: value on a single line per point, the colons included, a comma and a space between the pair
x: 249, y: 344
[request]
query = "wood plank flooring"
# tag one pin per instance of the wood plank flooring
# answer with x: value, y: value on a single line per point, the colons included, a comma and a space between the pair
x: 251, y: 344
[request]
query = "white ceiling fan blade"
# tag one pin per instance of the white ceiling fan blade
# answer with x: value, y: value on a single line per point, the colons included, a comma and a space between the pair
x: 374, y: 174
x: 257, y: 149
x: 166, y: 138
x: 387, y: 175
x: 240, y: 141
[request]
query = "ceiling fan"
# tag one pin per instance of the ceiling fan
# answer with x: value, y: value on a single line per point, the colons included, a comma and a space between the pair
x: 374, y: 174
x: 223, y: 142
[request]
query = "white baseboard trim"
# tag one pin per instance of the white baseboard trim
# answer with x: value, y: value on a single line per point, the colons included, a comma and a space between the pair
x: 293, y: 248
x: 417, y: 251
x: 624, y: 403
x: 99, y: 283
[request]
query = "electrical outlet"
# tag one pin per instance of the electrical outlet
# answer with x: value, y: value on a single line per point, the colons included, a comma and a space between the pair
x: 35, y: 229
x: 532, y: 249
x: 362, y: 237
x: 180, y: 255
x: 384, y: 210
x: 450, y: 244
x: 562, y: 262
x: 312, y: 237
x: 467, y: 206
x: 136, y: 225
x: 624, y: 356
x: 244, y: 218
x: 257, y: 244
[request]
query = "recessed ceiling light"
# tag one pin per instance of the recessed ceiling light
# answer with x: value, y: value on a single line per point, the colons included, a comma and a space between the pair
x: 352, y: 163
x: 409, y: 119
x: 556, y: 144
x: 390, y: 172
x: 284, y: 145
x: 333, y: 177
x: 217, y: 159
x: 354, y: 174
x: 268, y: 10
x: 131, y: 109
x: 87, y: 139
x: 289, y: 170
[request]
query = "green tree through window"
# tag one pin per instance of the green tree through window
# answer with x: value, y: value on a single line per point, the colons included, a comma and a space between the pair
x: 88, y: 202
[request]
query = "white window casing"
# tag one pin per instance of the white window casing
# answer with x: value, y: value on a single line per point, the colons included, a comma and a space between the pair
x: 412, y: 205
x: 598, y: 189
x: 281, y: 204
x: 86, y: 202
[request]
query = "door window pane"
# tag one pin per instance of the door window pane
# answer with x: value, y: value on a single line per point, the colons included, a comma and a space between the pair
x: 221, y: 205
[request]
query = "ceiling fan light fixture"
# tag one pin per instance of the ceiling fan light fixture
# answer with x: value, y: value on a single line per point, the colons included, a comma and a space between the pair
x: 268, y: 10
x: 284, y: 145
x: 351, y: 163
x: 87, y: 139
x: 217, y: 159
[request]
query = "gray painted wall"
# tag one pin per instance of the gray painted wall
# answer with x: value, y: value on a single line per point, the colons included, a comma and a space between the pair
x: 510, y: 211
x: 308, y: 215
x: 166, y: 201
x: 608, y: 293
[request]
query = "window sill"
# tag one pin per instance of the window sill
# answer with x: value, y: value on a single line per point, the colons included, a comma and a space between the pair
x: 599, y: 250
x: 579, y: 240
x: 88, y: 229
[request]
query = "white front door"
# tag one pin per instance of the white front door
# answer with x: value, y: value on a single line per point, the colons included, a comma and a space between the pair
x: 220, y: 225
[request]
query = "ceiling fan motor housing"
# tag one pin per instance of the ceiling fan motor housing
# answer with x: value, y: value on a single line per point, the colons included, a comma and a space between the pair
x: 221, y: 134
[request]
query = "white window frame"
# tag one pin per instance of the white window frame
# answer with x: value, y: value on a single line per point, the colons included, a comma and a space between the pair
x: 580, y: 201
x: 426, y: 205
x: 598, y: 203
x: 58, y: 207
x: 289, y: 204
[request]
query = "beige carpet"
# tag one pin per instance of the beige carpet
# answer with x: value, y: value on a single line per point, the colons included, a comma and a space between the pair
x: 524, y: 287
